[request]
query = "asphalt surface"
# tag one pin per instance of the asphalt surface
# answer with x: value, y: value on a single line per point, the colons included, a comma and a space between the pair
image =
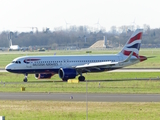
x: 94, y: 97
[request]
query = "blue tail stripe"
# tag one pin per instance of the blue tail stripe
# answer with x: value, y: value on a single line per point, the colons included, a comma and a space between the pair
x: 137, y: 46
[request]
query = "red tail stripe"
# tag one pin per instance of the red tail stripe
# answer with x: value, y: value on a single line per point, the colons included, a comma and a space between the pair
x: 127, y: 53
x: 137, y: 37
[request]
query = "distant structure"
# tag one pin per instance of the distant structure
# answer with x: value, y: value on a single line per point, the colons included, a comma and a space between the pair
x: 101, y: 43
x: 12, y: 47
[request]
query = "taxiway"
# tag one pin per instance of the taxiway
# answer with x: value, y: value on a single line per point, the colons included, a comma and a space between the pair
x: 93, y: 97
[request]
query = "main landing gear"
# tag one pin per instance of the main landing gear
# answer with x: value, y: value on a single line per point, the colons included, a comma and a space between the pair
x: 81, y: 78
x: 25, y: 77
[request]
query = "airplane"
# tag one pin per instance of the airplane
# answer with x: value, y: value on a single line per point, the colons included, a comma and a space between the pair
x: 68, y: 67
x: 13, y: 47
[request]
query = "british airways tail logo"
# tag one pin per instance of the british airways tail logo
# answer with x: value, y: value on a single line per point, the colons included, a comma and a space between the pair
x: 136, y: 37
x: 27, y: 61
x: 133, y: 44
x: 136, y: 46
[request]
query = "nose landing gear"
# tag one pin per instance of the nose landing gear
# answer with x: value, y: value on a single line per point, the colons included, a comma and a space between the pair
x: 25, y: 77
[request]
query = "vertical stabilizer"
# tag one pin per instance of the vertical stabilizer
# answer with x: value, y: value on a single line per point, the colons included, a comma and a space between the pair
x: 10, y: 42
x: 133, y: 44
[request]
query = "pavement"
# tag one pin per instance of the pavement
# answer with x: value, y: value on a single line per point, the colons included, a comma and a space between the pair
x: 92, y: 97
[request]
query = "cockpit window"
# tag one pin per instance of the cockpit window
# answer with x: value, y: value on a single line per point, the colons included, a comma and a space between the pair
x: 13, y: 61
x: 17, y: 62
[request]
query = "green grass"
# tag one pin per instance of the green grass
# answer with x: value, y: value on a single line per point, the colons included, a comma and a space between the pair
x: 49, y: 110
x: 11, y: 77
x: 150, y: 62
x: 112, y: 82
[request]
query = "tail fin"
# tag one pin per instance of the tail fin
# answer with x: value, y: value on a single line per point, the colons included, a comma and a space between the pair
x: 133, y: 44
x: 10, y: 42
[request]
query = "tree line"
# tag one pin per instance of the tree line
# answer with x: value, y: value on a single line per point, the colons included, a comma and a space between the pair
x: 81, y: 37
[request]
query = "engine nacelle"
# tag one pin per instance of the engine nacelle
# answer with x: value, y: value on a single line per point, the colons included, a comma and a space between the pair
x: 43, y: 76
x: 67, y: 73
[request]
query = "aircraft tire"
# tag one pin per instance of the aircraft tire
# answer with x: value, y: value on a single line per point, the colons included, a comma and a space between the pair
x: 25, y: 80
x: 81, y: 78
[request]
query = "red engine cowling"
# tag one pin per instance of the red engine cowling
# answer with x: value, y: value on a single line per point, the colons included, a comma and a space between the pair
x: 44, y: 76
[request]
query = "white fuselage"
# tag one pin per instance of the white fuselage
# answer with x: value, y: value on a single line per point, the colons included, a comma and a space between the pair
x: 41, y: 64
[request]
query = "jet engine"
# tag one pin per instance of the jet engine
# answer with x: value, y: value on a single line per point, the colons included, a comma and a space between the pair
x: 43, y: 76
x: 67, y: 73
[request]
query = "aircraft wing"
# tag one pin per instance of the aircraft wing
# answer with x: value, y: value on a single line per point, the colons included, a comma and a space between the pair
x: 94, y: 65
x: 100, y: 64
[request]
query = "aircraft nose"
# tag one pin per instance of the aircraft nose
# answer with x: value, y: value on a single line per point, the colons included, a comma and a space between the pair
x: 8, y: 67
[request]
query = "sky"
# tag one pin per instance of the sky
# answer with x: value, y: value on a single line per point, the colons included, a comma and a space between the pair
x: 21, y: 15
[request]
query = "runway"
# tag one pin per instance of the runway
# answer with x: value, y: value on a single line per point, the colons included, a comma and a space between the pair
x: 91, y: 97
x: 3, y: 71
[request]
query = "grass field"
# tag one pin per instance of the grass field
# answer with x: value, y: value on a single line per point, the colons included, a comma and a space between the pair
x: 49, y: 110
x: 112, y: 82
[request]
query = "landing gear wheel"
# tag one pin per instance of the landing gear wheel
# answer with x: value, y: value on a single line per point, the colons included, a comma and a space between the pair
x: 25, y: 80
x: 81, y: 78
